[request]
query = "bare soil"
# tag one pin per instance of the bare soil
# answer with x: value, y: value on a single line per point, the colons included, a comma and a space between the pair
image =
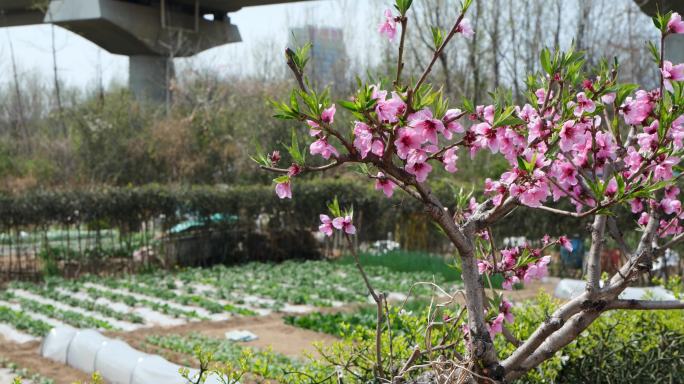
x: 27, y: 356
x: 271, y: 331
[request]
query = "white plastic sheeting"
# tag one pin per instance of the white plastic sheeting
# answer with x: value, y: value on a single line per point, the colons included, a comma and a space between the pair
x: 116, y: 361
x: 569, y: 288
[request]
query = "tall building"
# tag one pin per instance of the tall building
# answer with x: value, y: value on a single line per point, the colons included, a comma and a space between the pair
x: 328, y: 63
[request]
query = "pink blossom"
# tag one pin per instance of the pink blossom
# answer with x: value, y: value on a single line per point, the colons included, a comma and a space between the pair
x: 527, y: 113
x: 565, y: 172
x: 643, y: 219
x: 407, y: 139
x: 541, y: 95
x: 378, y: 94
x: 532, y: 194
x: 672, y: 192
x: 611, y: 188
x: 464, y: 28
x: 344, y: 224
x: 584, y: 104
x: 633, y: 159
x: 497, y: 326
x: 505, y: 308
x: 488, y: 137
x: 537, y: 270
x: 677, y: 132
x: 608, y: 98
x: 420, y: 155
x: 484, y: 266
x: 274, y: 157
x: 635, y: 111
x: 378, y: 147
x: 536, y: 129
x: 314, y: 128
x: 675, y: 25
x: 647, y: 142
x: 294, y: 170
x: 419, y: 170
x: 284, y: 190
x: 636, y: 205
x: 511, y: 144
x: 383, y: 183
x: 565, y: 243
x: 328, y: 115
x: 390, y: 110
x: 671, y: 206
x: 510, y: 257
x: 362, y: 138
x: 672, y: 73
x: 605, y: 147
x: 572, y: 133
x: 388, y: 28
x: 322, y: 147
x: 427, y: 126
x: 509, y: 281
x: 670, y: 228
x: 450, y: 158
x: 326, y: 225
x: 451, y: 124
x: 663, y: 170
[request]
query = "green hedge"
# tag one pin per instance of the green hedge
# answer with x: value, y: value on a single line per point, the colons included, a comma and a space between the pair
x: 108, y: 222
x: 127, y: 207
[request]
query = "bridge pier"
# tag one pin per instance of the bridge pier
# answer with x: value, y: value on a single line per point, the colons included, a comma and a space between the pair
x: 148, y: 77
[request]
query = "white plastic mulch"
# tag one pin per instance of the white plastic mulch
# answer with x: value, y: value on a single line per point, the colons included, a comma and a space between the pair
x: 33, y: 315
x: 123, y: 325
x: 12, y: 334
x: 200, y: 311
x: 150, y: 316
x: 570, y: 288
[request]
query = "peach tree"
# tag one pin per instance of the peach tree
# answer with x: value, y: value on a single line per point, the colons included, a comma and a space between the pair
x: 582, y: 140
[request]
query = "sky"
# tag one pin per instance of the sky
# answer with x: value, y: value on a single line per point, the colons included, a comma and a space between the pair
x: 262, y: 28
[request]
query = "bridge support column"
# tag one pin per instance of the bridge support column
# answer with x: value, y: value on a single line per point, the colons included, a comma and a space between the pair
x: 149, y: 78
x: 674, y: 49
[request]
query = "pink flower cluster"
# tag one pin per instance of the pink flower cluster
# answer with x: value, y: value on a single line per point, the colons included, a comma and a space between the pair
x: 518, y: 265
x: 342, y: 223
x: 322, y: 146
x: 495, y: 326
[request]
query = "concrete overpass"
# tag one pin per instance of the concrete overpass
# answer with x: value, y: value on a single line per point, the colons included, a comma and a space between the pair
x: 150, y: 32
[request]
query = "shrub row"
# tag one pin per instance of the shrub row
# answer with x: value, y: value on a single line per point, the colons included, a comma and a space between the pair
x: 126, y: 207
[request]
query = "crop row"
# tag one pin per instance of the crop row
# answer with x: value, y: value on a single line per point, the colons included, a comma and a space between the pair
x: 150, y: 289
x: 72, y: 318
x: 319, y: 283
x: 23, y: 322
x: 262, y: 363
x: 129, y: 300
x: 89, y: 305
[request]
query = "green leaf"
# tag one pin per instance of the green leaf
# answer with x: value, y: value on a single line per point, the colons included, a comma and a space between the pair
x: 437, y: 37
x: 346, y: 104
x: 294, y: 150
x: 282, y: 179
x: 334, y: 208
x: 621, y: 184
x: 545, y: 58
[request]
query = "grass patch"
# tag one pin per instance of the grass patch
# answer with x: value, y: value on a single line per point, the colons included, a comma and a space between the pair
x: 407, y: 261
x: 411, y: 261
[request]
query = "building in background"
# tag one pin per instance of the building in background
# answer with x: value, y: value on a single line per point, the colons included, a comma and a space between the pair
x: 329, y: 60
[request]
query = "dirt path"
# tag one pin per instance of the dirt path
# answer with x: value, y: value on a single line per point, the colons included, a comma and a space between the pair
x: 271, y: 330
x: 27, y: 356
